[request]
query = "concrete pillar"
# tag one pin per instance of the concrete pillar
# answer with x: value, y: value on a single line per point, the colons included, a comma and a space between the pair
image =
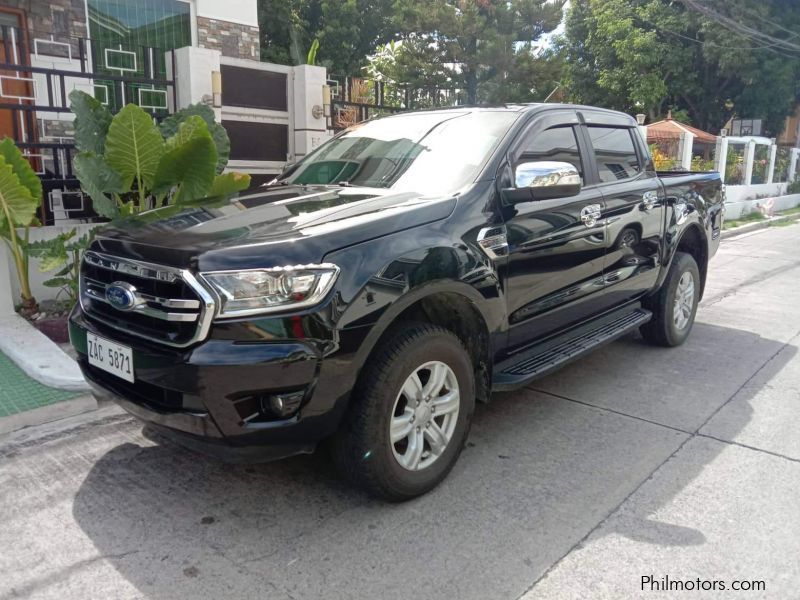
x: 309, y: 130
x: 721, y: 156
x: 8, y: 276
x: 794, y: 155
x: 193, y: 68
x: 749, y: 157
x: 643, y: 132
x: 685, y: 150
x: 771, y: 165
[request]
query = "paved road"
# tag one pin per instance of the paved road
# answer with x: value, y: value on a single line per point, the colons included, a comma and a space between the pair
x: 635, y: 461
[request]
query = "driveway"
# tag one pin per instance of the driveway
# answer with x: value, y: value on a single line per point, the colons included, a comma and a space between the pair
x: 634, y: 462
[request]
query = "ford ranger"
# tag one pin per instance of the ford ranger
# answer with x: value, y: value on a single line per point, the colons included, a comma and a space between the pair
x: 379, y: 287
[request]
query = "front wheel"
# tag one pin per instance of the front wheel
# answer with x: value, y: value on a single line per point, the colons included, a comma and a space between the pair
x: 410, y: 414
x: 674, y: 306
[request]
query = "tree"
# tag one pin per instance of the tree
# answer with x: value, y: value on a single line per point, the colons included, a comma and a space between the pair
x: 475, y: 45
x: 347, y: 30
x: 651, y: 55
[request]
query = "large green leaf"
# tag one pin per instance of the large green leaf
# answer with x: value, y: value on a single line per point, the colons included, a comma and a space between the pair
x: 229, y: 183
x: 98, y: 179
x: 57, y: 282
x: 52, y: 253
x: 22, y: 168
x: 194, y: 126
x: 92, y: 120
x: 134, y: 146
x: 17, y: 204
x: 191, y: 166
x: 169, y: 127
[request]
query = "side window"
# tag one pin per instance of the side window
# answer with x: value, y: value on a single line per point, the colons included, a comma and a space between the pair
x: 614, y: 152
x: 557, y: 144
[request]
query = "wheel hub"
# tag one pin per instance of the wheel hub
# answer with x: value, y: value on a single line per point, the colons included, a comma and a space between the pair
x: 684, y: 301
x: 424, y: 416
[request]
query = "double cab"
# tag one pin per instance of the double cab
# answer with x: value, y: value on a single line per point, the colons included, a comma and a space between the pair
x: 365, y: 299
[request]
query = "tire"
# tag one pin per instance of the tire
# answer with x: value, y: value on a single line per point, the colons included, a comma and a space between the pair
x: 672, y: 321
x: 387, y: 395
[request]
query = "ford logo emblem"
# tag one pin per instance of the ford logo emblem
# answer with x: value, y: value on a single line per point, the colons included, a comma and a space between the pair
x: 121, y: 295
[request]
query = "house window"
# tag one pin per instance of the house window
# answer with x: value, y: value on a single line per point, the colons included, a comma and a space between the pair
x: 130, y: 37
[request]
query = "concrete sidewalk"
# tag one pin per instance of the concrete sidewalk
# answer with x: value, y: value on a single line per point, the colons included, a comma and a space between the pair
x: 635, y: 461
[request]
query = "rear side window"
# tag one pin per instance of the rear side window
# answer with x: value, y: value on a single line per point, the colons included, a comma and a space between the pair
x: 557, y: 144
x: 615, y: 153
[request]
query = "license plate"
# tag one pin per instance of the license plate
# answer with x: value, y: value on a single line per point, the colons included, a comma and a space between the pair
x: 110, y: 356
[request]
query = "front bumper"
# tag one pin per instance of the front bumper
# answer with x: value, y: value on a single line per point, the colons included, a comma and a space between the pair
x: 213, y: 397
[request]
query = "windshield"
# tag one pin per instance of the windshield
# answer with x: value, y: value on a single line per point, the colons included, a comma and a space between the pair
x: 429, y: 153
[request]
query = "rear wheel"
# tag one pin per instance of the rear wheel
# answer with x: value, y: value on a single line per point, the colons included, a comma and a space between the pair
x: 410, y: 414
x: 674, y: 306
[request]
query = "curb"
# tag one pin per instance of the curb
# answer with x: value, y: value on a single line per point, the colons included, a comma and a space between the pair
x: 38, y: 356
x: 50, y: 429
x: 46, y: 414
x: 758, y: 225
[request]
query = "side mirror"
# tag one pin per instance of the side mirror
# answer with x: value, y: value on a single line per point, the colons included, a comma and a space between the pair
x: 544, y: 180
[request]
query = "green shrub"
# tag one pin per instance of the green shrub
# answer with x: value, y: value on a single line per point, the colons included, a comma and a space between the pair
x: 127, y: 164
x: 20, y: 197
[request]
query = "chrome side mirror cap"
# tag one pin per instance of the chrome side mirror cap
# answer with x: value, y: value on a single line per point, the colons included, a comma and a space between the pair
x: 547, y: 180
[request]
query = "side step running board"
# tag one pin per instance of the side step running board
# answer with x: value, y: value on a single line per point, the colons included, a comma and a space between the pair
x: 523, y: 368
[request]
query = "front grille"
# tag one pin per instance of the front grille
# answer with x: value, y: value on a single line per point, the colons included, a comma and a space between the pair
x: 168, y: 305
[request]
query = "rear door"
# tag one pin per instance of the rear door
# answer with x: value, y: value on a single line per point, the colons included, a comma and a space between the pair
x: 555, y: 266
x: 633, y: 212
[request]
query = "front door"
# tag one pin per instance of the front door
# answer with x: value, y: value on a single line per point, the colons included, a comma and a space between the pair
x: 16, y: 86
x: 555, y: 265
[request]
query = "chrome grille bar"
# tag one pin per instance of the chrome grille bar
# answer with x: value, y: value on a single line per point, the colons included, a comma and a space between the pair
x: 165, y: 302
x: 200, y: 308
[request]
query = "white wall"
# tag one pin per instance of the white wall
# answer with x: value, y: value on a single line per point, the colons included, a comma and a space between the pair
x: 741, y: 200
x: 236, y: 11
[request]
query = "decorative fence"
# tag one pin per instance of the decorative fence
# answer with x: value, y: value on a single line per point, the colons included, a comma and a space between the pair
x: 356, y: 99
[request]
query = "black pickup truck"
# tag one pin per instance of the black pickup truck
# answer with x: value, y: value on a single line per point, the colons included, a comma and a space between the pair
x: 373, y: 292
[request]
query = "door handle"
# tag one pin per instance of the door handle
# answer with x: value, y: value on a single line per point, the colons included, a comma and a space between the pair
x: 649, y: 200
x: 590, y: 214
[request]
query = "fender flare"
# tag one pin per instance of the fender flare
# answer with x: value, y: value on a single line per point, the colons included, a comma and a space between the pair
x: 425, y: 290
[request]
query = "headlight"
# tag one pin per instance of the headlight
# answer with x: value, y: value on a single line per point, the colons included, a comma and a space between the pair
x: 271, y: 290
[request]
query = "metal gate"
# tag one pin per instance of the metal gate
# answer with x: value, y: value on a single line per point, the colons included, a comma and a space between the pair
x: 37, y: 74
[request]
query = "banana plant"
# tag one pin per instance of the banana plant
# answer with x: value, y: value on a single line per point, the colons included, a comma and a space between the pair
x: 20, y: 197
x: 127, y: 164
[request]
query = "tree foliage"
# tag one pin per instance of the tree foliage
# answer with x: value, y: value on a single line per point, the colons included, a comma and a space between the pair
x: 652, y: 55
x: 480, y: 46
x: 347, y: 30
x: 485, y: 47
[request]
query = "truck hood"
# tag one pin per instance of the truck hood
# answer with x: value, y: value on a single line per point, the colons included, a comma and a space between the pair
x: 268, y: 226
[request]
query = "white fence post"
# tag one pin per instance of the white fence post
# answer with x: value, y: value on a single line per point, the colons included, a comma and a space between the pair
x: 722, y: 156
x: 310, y: 127
x: 193, y: 68
x: 773, y: 149
x: 685, y: 150
x: 749, y: 157
x: 793, y: 156
x: 7, y: 273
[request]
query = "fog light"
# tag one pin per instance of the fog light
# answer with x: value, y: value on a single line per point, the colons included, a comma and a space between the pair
x: 285, y: 405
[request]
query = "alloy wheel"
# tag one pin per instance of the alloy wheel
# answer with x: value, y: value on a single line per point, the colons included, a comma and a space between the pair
x: 424, y: 416
x: 684, y: 301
